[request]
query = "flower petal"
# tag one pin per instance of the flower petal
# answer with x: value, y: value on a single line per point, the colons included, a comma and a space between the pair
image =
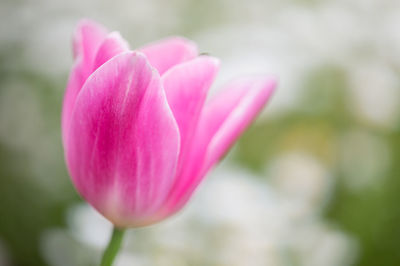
x: 222, y: 121
x: 87, y: 39
x: 231, y: 115
x: 169, y: 52
x: 75, y: 82
x: 112, y: 45
x: 123, y: 141
x: 186, y: 86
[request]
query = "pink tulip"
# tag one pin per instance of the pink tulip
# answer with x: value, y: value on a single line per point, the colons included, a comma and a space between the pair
x: 139, y: 134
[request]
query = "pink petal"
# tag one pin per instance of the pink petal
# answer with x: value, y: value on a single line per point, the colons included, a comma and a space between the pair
x: 75, y: 82
x: 123, y: 141
x: 112, y: 45
x: 186, y: 86
x: 222, y: 121
x: 87, y: 39
x: 231, y: 115
x: 169, y: 52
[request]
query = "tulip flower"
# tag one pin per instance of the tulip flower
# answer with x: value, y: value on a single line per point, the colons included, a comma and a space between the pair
x: 139, y: 132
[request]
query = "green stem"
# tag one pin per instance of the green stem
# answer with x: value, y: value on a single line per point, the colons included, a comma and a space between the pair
x: 113, y: 246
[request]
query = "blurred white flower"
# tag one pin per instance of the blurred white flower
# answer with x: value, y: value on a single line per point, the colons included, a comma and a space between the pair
x: 327, y: 246
x: 375, y: 94
x: 302, y: 180
x: 80, y: 220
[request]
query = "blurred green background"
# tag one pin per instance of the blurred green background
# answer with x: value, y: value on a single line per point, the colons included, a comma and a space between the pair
x: 329, y: 138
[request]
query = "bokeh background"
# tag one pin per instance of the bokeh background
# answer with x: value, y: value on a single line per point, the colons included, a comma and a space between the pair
x: 315, y: 181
